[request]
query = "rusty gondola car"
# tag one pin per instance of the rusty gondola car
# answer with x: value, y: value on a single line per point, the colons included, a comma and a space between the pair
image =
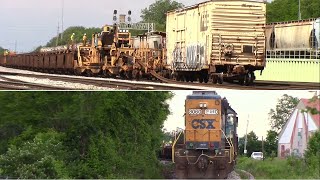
x: 207, y: 148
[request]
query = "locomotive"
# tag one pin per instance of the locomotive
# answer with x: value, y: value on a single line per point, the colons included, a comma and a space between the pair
x: 207, y: 148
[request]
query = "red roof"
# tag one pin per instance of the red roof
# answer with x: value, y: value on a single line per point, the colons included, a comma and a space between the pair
x: 315, y: 104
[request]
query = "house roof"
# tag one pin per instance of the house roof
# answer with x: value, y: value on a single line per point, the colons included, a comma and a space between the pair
x: 313, y: 104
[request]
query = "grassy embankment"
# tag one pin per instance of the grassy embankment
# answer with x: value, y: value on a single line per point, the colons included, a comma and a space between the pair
x: 291, y: 168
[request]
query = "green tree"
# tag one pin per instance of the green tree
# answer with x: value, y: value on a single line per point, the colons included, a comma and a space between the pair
x: 280, y: 115
x: 156, y: 13
x: 2, y: 51
x: 312, y: 154
x: 40, y: 158
x: 253, y: 144
x: 271, y: 144
x: 105, y: 134
x: 288, y: 10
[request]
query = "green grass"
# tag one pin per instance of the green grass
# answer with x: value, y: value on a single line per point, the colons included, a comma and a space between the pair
x: 291, y: 168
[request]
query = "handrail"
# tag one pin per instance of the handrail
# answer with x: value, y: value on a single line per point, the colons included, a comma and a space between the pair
x: 231, y: 147
x: 174, y: 143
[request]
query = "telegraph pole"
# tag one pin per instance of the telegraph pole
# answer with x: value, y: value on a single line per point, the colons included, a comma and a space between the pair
x: 57, y: 41
x: 15, y: 46
x: 62, y: 19
x: 299, y: 16
x: 245, y: 141
x: 262, y: 149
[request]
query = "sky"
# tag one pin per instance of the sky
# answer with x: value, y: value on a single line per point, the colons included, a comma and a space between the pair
x: 26, y: 24
x: 247, y: 103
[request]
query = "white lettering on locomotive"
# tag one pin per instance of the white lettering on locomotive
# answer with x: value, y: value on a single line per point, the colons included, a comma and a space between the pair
x: 195, y: 111
x: 211, y: 111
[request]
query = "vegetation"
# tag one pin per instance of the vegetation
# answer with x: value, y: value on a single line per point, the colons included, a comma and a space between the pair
x: 81, y: 134
x: 271, y: 144
x: 287, y: 10
x: 156, y: 13
x: 290, y: 168
x: 2, y: 50
x: 253, y: 144
x: 282, y: 112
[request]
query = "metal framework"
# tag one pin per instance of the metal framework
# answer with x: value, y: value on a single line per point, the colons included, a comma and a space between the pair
x: 137, y: 26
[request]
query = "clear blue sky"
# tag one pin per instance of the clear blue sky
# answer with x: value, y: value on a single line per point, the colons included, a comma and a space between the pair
x: 34, y: 22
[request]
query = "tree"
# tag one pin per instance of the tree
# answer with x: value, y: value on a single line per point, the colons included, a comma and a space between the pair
x: 2, y: 51
x: 253, y: 144
x: 41, y: 157
x: 156, y: 13
x: 287, y: 10
x: 280, y: 115
x: 271, y: 145
x: 312, y: 154
x: 103, y: 134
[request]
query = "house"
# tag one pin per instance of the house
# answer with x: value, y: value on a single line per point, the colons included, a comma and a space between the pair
x: 293, y: 138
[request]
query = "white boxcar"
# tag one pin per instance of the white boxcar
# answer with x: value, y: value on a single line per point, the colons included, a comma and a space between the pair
x: 217, y: 36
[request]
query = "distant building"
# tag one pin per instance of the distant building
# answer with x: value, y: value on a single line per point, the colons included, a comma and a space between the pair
x: 294, y: 136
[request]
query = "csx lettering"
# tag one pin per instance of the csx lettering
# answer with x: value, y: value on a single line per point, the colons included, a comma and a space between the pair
x: 202, y: 124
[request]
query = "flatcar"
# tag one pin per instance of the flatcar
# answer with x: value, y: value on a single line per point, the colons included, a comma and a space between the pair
x: 207, y: 148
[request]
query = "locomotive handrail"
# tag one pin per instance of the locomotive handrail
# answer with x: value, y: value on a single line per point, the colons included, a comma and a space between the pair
x: 231, y: 147
x: 174, y: 143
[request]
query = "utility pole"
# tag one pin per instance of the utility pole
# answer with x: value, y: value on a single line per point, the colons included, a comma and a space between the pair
x: 262, y: 149
x: 62, y: 19
x: 299, y: 16
x: 15, y: 46
x: 57, y: 41
x: 245, y: 141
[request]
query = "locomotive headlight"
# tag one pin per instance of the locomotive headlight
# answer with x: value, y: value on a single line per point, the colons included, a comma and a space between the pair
x: 203, y: 105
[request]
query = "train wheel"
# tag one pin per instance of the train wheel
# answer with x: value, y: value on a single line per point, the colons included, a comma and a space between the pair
x: 136, y: 74
x: 200, y: 79
x: 220, y: 79
x: 187, y: 78
x: 89, y: 73
x: 206, y: 79
x: 248, y: 79
x: 128, y: 74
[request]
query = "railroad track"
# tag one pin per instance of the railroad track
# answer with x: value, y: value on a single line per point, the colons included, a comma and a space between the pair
x: 168, y: 84
x: 13, y: 84
x: 104, y: 82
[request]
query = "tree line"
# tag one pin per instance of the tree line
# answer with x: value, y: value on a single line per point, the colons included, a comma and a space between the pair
x: 77, y: 135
